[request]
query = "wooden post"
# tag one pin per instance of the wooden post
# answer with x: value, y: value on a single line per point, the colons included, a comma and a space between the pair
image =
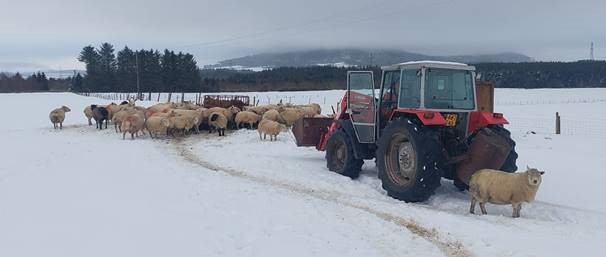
x: 149, y: 96
x: 558, y: 127
x: 170, y: 94
x: 158, y: 97
x: 182, y: 97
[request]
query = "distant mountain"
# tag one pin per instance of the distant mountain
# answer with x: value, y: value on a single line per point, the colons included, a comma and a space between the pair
x: 344, y: 57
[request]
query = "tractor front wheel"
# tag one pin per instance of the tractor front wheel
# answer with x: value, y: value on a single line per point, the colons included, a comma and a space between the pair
x: 407, y: 159
x: 340, y: 156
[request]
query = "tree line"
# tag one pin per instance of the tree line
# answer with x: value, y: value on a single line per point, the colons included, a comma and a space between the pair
x: 36, y: 82
x: 107, y: 71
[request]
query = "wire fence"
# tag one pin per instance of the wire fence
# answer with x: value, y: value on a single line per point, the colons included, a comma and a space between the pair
x: 568, y: 126
x: 549, y: 101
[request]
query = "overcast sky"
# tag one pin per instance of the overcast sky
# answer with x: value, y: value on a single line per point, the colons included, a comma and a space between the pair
x: 50, y: 34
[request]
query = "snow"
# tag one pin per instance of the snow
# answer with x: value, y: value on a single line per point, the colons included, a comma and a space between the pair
x: 84, y: 192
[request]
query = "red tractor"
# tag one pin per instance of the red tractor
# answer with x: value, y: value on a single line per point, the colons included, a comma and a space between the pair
x: 427, y: 122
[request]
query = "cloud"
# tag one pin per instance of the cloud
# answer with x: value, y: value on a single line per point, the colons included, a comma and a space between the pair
x: 214, y: 30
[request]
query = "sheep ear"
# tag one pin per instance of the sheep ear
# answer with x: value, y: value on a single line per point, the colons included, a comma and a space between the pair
x: 542, y: 172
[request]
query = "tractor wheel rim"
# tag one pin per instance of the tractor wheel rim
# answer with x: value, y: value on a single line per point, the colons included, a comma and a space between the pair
x: 400, y: 162
x: 340, y: 155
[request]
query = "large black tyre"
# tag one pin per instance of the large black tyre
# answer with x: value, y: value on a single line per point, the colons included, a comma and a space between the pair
x: 510, y: 163
x: 408, y: 158
x: 340, y: 156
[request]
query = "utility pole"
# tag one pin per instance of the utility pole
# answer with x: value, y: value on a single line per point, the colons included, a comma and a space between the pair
x: 591, y: 52
x: 138, y: 86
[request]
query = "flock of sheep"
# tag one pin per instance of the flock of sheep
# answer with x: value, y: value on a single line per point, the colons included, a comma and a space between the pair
x: 171, y: 119
x: 486, y: 186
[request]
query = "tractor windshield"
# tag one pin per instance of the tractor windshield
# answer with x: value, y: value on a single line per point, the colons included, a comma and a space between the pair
x: 449, y: 89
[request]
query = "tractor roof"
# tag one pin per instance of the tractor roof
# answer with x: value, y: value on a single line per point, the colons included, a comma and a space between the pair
x: 431, y: 64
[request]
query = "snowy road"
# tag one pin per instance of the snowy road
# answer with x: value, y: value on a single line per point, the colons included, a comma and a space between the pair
x: 82, y: 192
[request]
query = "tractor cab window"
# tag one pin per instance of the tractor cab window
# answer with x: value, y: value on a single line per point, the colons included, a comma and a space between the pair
x: 410, y: 94
x: 449, y: 89
x: 391, y: 88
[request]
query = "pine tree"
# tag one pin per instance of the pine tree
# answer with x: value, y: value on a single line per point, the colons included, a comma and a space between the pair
x: 107, y: 63
x: 126, y: 74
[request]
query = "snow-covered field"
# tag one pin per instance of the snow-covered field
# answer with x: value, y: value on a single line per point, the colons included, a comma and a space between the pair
x: 83, y: 192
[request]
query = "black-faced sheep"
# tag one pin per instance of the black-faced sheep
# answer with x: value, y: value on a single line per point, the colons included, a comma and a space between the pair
x: 57, y: 116
x: 271, y: 128
x: 100, y: 114
x: 217, y: 121
x: 500, y: 187
x: 247, y: 117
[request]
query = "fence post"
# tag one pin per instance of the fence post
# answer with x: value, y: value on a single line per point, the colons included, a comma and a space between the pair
x: 169, y: 96
x: 558, y: 123
x: 182, y: 97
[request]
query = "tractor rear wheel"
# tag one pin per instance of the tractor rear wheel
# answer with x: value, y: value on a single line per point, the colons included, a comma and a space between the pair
x: 340, y: 156
x: 510, y: 163
x: 407, y: 159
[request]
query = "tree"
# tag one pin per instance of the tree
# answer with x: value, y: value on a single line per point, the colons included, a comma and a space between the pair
x: 91, y: 59
x: 78, y: 83
x: 107, y: 64
x: 126, y: 74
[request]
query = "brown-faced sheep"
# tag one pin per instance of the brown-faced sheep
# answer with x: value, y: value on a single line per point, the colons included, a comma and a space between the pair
x: 57, y: 116
x: 271, y: 128
x: 247, y: 117
x: 100, y: 114
x: 500, y: 187
x: 217, y: 121
x: 132, y: 124
x: 156, y: 125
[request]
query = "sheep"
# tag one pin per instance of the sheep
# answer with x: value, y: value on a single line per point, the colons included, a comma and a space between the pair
x: 120, y: 115
x: 132, y: 124
x: 182, y: 123
x: 246, y: 117
x: 112, y: 109
x: 100, y: 114
x: 58, y: 116
x: 156, y: 125
x: 217, y: 121
x: 199, y: 114
x: 88, y: 112
x: 500, y: 187
x: 273, y: 115
x: 291, y: 115
x: 269, y: 127
x: 161, y: 107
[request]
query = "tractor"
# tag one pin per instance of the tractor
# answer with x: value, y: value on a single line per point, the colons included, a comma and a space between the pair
x: 429, y: 120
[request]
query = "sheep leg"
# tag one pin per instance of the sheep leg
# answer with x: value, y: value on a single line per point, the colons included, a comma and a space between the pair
x: 472, y: 208
x: 61, y: 125
x: 517, y: 207
x: 123, y: 135
x: 260, y: 138
x: 483, y: 207
x: 89, y: 122
x: 265, y: 137
x: 132, y: 136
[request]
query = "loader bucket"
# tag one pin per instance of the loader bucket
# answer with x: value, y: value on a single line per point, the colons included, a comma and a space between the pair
x: 308, y: 131
x: 488, y: 150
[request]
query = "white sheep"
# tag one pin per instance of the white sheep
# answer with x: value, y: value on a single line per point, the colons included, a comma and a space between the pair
x: 273, y: 115
x: 217, y: 121
x: 156, y: 125
x: 181, y: 123
x: 197, y: 113
x: 500, y: 187
x: 88, y: 112
x: 57, y: 116
x: 247, y: 117
x: 271, y: 128
x: 132, y: 124
x: 291, y: 115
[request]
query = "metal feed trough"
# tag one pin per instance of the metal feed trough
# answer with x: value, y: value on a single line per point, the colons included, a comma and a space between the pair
x: 226, y: 101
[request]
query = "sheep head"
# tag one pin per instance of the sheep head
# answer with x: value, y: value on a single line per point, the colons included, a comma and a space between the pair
x: 534, y: 176
x: 66, y: 109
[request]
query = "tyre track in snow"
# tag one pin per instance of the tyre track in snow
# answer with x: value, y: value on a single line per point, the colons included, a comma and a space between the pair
x: 450, y: 248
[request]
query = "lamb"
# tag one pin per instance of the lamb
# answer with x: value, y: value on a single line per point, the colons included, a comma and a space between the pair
x: 247, y: 117
x: 291, y: 115
x: 133, y: 124
x: 500, y: 187
x: 217, y: 121
x: 57, y: 116
x: 269, y: 127
x: 100, y: 114
x: 273, y: 115
x: 156, y: 125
